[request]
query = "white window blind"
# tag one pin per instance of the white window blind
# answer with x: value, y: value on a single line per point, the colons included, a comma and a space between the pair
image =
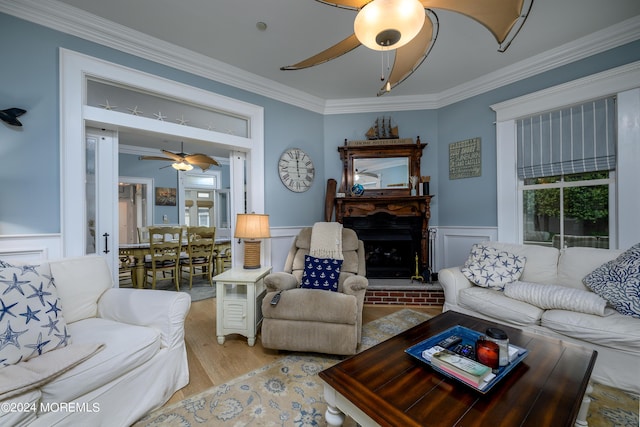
x: 572, y: 140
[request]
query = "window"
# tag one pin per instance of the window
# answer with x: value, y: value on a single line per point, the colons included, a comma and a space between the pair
x: 198, y: 208
x: 624, y: 203
x: 570, y: 210
x: 564, y: 159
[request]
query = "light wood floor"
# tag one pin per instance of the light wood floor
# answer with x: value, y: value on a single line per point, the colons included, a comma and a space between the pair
x: 211, y: 364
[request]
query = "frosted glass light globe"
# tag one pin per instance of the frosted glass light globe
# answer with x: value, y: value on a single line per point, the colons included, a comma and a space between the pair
x: 389, y: 24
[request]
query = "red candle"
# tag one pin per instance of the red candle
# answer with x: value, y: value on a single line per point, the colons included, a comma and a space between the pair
x: 488, y: 353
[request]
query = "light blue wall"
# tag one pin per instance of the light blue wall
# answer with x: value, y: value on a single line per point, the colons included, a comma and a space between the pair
x: 411, y: 124
x: 473, y: 201
x: 30, y: 163
x: 29, y: 77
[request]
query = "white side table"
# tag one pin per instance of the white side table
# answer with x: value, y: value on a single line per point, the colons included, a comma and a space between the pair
x: 239, y: 294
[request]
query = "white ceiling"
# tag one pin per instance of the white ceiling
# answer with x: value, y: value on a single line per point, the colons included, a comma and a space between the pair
x: 297, y: 29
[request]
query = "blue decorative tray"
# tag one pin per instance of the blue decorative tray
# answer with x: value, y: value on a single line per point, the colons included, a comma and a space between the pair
x: 469, y: 337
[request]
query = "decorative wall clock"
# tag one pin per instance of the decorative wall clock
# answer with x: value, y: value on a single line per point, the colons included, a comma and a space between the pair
x: 296, y: 170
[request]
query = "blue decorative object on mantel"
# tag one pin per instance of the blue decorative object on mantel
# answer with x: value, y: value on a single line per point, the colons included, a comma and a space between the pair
x: 357, y: 190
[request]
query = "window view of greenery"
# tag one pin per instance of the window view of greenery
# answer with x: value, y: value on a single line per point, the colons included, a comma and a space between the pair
x: 569, y: 210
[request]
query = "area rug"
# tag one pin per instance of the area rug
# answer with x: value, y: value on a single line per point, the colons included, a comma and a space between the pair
x: 201, y: 288
x: 288, y: 392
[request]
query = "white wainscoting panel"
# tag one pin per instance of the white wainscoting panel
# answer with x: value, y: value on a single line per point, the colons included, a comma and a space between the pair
x: 280, y: 243
x: 454, y: 243
x: 32, y: 247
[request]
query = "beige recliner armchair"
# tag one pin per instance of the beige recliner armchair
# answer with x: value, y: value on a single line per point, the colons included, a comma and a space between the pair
x: 316, y: 320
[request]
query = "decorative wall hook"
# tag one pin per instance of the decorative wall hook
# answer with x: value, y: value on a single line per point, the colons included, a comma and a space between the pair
x: 10, y: 116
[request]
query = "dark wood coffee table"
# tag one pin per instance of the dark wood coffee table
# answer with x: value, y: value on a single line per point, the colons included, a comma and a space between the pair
x: 385, y: 386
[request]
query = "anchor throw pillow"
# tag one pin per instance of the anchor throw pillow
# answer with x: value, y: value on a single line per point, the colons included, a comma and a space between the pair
x: 321, y: 273
x: 31, y: 321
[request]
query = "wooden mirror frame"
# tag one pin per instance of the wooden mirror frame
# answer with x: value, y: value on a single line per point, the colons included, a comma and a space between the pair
x: 380, y: 148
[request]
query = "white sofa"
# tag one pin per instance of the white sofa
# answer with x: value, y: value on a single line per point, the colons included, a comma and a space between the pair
x: 614, y: 336
x: 134, y: 353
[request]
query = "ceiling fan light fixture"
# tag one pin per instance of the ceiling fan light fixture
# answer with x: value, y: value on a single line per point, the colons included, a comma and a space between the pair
x: 182, y: 166
x: 389, y: 24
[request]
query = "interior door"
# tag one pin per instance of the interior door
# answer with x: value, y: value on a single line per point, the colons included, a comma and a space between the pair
x: 101, y: 193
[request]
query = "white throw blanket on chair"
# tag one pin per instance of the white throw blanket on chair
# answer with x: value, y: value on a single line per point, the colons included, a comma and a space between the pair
x: 326, y: 240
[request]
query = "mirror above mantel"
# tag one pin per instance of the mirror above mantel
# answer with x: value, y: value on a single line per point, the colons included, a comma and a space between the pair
x: 382, y: 167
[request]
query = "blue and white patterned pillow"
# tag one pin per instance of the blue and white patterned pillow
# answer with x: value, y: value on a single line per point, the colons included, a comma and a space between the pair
x: 618, y: 281
x: 31, y: 321
x: 492, y: 268
x: 321, y: 273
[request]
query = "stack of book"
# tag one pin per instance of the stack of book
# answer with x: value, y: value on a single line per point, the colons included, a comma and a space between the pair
x: 462, y: 368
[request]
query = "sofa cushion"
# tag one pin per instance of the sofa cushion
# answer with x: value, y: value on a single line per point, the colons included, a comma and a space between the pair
x: 125, y: 348
x: 321, y: 273
x: 72, y: 275
x: 30, y: 400
x: 615, y: 330
x: 494, y: 304
x: 492, y: 268
x: 618, y: 281
x: 31, y: 320
x: 576, y: 262
x: 24, y: 376
x: 556, y: 297
x: 542, y: 261
x: 313, y: 306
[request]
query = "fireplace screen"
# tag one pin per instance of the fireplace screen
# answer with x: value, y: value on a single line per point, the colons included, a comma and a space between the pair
x: 391, y: 243
x: 389, y: 258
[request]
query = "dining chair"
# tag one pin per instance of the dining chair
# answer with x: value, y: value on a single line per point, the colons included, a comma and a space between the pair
x: 164, y: 256
x: 143, y: 234
x: 201, y: 243
x: 126, y: 274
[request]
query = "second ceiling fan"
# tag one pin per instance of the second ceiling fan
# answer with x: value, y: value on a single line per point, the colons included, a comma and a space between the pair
x: 183, y: 161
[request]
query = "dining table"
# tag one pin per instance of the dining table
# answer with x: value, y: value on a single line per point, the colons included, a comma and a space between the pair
x: 138, y: 252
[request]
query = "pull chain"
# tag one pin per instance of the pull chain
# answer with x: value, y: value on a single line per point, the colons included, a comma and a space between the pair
x: 387, y: 87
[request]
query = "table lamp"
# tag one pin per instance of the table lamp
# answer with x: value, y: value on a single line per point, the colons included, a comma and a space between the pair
x: 252, y: 227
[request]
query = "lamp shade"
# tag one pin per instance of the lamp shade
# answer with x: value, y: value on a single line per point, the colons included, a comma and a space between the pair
x: 389, y: 24
x: 252, y: 226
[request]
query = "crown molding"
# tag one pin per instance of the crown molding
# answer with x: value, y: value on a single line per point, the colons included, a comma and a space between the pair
x: 617, y: 35
x: 381, y: 104
x: 605, y: 83
x: 70, y: 20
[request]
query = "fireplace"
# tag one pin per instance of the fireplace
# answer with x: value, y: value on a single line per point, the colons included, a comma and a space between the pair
x: 394, y: 230
x: 391, y: 243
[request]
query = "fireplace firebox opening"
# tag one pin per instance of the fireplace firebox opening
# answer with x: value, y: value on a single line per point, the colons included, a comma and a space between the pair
x: 391, y: 243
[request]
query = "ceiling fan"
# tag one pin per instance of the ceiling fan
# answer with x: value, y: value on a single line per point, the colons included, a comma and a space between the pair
x: 183, y: 161
x: 411, y: 27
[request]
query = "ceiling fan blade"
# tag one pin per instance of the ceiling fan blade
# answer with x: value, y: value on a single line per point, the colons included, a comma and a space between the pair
x: 199, y: 158
x: 339, y: 49
x: 153, y: 158
x: 203, y: 166
x: 346, y: 4
x: 503, y: 18
x: 409, y: 57
x: 173, y: 156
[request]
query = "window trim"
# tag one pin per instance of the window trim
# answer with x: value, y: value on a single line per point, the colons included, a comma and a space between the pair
x: 622, y: 81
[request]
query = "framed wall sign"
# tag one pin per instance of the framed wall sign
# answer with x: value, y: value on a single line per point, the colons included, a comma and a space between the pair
x: 465, y: 159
